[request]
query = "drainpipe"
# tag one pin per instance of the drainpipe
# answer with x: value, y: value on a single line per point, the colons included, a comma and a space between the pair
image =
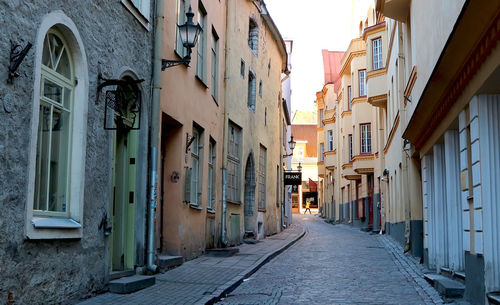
x: 224, y: 130
x: 155, y: 132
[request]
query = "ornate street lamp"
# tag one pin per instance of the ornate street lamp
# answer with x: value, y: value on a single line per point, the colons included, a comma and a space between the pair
x: 188, y: 33
x: 291, y: 144
x: 299, y: 168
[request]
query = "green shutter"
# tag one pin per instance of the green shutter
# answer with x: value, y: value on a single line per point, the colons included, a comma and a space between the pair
x: 187, y: 185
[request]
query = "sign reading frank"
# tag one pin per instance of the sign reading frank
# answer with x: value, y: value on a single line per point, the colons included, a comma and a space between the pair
x: 293, y: 178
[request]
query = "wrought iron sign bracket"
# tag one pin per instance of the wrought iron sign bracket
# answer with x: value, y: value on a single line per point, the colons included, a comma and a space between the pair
x: 105, y: 82
x: 166, y: 63
x: 189, y: 141
x: 16, y: 58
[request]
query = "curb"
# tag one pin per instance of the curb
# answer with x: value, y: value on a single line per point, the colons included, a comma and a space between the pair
x: 237, y: 280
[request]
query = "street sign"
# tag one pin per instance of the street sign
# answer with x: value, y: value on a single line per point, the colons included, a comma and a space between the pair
x: 293, y: 178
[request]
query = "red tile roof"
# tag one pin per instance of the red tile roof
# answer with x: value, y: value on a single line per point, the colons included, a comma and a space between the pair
x: 332, y: 65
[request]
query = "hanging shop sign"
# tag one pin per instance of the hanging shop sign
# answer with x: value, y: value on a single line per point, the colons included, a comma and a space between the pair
x: 293, y: 178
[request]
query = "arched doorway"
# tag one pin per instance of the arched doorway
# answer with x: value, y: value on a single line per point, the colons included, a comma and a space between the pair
x: 249, y: 202
x: 124, y: 175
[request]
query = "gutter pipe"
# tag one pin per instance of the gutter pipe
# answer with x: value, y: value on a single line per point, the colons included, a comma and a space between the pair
x: 155, y: 132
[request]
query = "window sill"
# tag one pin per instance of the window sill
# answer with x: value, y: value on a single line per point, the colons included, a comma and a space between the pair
x: 39, y: 227
x: 54, y: 223
x: 210, y: 211
x: 261, y: 210
x: 201, y: 81
x: 137, y: 14
x: 195, y: 207
x: 233, y: 202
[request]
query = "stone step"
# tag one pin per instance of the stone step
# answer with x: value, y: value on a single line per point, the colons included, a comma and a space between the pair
x: 119, y: 274
x: 131, y: 283
x: 494, y: 298
x: 449, y: 288
x: 166, y: 262
x: 222, y: 252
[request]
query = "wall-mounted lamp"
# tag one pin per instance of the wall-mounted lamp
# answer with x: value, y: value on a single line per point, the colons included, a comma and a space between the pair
x: 299, y: 168
x: 188, y: 32
x: 386, y: 172
x: 291, y: 144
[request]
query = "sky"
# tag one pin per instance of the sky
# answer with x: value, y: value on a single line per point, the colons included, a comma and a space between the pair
x: 313, y: 25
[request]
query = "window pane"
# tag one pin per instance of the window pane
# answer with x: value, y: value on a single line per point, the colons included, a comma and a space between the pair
x: 42, y: 159
x: 52, y: 91
x: 59, y: 160
x: 64, y: 67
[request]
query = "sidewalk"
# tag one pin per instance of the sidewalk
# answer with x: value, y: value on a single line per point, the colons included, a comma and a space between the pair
x: 205, y: 279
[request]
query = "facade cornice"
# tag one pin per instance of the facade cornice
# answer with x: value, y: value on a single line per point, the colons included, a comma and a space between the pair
x: 378, y: 100
x: 374, y: 73
x: 359, y: 99
x: 347, y: 112
x: 333, y: 152
x: 350, y: 58
x: 377, y: 28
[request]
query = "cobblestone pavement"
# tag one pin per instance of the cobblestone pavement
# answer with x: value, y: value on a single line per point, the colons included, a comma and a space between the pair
x: 203, y: 279
x: 337, y: 265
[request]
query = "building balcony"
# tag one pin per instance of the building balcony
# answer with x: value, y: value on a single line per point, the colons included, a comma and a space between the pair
x: 348, y: 172
x: 321, y: 169
x: 331, y: 159
x: 395, y: 9
x: 376, y: 85
x: 363, y: 164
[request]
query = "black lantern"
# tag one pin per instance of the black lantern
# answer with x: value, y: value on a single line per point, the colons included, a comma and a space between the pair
x: 291, y: 144
x: 299, y: 168
x: 188, y: 33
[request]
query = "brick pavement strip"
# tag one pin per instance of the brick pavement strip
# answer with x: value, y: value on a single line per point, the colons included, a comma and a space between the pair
x: 206, y: 279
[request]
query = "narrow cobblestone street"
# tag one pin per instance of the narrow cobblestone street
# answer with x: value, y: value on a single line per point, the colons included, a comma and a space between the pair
x: 337, y: 265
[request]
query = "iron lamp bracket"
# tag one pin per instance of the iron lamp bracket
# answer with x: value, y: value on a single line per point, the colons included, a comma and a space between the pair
x: 16, y: 58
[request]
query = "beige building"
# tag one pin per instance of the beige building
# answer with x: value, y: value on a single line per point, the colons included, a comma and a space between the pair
x: 254, y: 131
x: 192, y: 105
x: 348, y: 133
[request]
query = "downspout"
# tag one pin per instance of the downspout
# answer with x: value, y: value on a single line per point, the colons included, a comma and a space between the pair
x: 155, y: 132
x: 224, y: 130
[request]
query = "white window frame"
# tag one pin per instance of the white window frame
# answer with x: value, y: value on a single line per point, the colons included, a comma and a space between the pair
x: 196, y: 169
x: 202, y: 42
x: 215, y: 64
x: 362, y: 82
x: 377, y: 53
x: 234, y: 163
x: 321, y: 151
x: 349, y: 98
x: 366, y: 140
x: 211, y: 176
x: 141, y: 10
x: 44, y: 226
x: 252, y: 87
x: 351, y: 148
x: 181, y: 19
x: 330, y: 140
x: 262, y: 178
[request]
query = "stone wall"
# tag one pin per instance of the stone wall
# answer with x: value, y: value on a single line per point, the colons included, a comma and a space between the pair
x: 53, y: 271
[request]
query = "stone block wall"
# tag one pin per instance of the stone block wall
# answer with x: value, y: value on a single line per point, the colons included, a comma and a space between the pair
x: 59, y: 270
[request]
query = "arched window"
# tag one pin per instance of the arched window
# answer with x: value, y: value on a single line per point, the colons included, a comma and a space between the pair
x: 55, y: 127
x: 56, y: 182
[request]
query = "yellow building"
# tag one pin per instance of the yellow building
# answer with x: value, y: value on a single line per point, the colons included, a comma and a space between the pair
x: 254, y: 131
